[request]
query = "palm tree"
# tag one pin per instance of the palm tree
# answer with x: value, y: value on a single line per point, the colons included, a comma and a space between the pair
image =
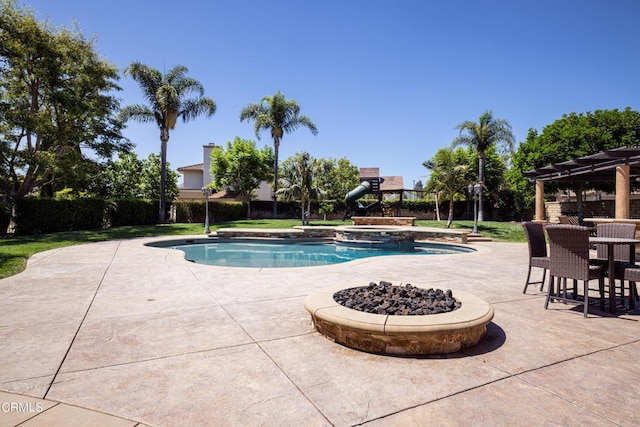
x: 167, y: 98
x: 448, y: 174
x: 480, y: 136
x: 298, y: 183
x: 280, y: 116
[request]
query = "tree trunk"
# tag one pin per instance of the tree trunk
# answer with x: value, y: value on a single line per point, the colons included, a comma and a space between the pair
x: 164, y: 139
x: 276, y: 146
x: 46, y: 190
x: 481, y: 182
x: 450, y: 218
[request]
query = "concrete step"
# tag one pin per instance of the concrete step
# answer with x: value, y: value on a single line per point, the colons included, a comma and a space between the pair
x: 477, y: 237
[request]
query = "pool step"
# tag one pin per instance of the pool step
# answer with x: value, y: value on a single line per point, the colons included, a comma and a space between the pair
x: 477, y: 237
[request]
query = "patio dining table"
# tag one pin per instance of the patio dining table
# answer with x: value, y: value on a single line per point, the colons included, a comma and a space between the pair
x: 611, y: 242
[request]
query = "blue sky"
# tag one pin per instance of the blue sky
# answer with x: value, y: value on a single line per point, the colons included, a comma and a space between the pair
x: 386, y: 82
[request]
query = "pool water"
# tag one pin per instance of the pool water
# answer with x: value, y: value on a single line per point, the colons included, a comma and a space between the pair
x: 278, y: 255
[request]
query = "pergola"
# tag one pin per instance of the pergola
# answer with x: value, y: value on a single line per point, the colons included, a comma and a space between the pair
x: 618, y: 164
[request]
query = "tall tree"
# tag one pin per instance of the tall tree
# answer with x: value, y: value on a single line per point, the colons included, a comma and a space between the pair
x: 150, y: 179
x: 280, y: 116
x: 241, y: 166
x: 119, y: 178
x: 57, y: 112
x: 448, y: 174
x: 573, y: 135
x: 298, y: 182
x: 131, y: 177
x: 335, y: 177
x: 487, y: 132
x: 168, y: 99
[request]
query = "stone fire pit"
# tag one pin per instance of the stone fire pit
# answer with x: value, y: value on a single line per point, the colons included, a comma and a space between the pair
x: 405, y: 300
x: 417, y: 334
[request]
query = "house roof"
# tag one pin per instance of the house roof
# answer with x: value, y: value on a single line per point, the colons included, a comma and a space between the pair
x: 224, y: 194
x: 369, y: 173
x: 392, y: 183
x: 197, y: 167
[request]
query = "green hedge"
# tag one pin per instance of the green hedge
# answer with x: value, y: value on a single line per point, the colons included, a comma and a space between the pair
x: 134, y: 212
x: 264, y: 209
x: 35, y: 216
x: 5, y: 214
x: 194, y: 211
x: 291, y: 209
x: 41, y: 215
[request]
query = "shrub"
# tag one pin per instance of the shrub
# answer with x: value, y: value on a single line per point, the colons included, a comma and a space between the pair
x: 35, y: 215
x: 134, y: 212
x: 5, y: 214
x: 189, y: 212
x: 194, y: 211
x: 227, y: 211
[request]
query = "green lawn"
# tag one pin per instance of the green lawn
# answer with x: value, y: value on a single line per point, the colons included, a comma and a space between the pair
x: 498, y: 231
x: 15, y: 251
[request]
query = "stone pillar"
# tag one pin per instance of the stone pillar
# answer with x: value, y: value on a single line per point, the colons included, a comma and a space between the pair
x: 539, y: 215
x: 623, y: 191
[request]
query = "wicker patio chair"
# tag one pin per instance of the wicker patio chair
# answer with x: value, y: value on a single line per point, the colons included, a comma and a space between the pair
x: 569, y: 259
x: 575, y: 220
x: 621, y: 253
x: 537, y: 252
x: 568, y: 219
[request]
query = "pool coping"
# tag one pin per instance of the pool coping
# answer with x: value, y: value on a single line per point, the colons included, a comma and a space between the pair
x: 301, y: 231
x: 176, y: 256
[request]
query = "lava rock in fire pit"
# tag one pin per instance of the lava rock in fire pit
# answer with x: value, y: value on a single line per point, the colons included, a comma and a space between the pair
x: 407, y: 300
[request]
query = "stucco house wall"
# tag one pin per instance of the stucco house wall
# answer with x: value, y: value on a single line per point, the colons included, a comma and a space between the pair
x: 196, y: 176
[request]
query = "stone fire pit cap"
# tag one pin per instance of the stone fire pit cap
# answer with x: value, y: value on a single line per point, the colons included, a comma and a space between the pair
x: 473, y: 312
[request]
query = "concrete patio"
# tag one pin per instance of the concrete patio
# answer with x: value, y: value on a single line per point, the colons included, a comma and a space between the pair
x: 121, y: 334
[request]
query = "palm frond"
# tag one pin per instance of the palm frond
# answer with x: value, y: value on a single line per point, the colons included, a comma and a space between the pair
x: 137, y: 112
x: 188, y: 85
x: 149, y: 79
x: 307, y: 122
x: 175, y: 74
x: 193, y: 108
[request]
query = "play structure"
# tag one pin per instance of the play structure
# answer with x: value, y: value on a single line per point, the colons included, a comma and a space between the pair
x: 370, y: 181
x: 355, y: 207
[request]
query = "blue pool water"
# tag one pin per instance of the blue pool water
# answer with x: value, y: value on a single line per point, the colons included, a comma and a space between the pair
x: 271, y: 255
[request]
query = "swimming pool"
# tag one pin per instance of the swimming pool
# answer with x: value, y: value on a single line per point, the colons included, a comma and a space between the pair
x: 278, y: 255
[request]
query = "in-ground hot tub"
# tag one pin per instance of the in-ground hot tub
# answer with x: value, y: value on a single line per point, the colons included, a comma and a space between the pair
x: 400, y: 335
x: 375, y: 235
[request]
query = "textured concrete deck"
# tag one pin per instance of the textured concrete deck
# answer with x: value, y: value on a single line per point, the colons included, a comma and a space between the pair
x: 117, y: 333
